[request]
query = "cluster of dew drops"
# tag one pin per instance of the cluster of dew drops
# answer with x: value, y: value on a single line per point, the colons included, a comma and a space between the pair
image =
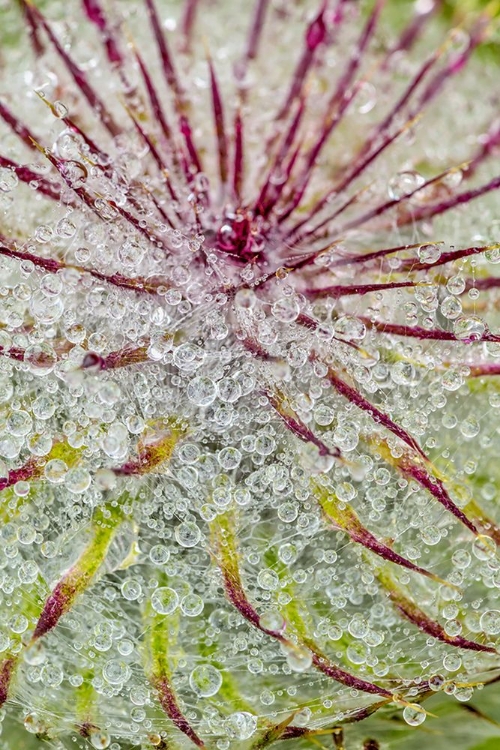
x: 203, y: 368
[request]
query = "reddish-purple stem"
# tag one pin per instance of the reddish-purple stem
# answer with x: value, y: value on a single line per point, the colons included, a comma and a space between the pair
x: 254, y: 36
x: 187, y: 22
x: 238, y: 168
x: 170, y: 706
x: 218, y: 113
x: 17, y: 126
x: 95, y: 13
x: 169, y: 71
x: 339, y: 103
x: 436, y: 630
x: 6, y: 672
x: 49, y: 189
x: 78, y: 75
x: 314, y: 37
x: 354, y: 289
x: 459, y: 199
x: 423, y: 333
x: 154, y: 100
x: 23, y: 474
x: 352, y: 395
x: 35, y: 38
x: 261, y: 205
x: 437, y: 490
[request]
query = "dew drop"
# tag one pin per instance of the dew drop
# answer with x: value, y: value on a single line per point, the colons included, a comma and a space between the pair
x: 404, y: 183
x: 99, y: 739
x: 205, y: 680
x: 490, y: 622
x: 164, y: 600
x: 414, y: 715
x: 187, y: 534
x: 241, y: 725
x: 429, y: 253
x: 469, y: 328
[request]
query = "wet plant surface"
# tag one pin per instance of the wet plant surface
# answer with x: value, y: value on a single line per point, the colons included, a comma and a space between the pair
x: 249, y: 360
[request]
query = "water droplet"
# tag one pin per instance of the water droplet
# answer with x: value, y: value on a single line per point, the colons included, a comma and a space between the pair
x: 229, y: 458
x: 286, y: 309
x: 414, y: 715
x: 469, y: 328
x: 77, y: 480
x: 187, y: 534
x: 272, y: 620
x: 268, y: 580
x: 131, y: 589
x: 429, y: 253
x: 60, y: 109
x: 404, y: 183
x: 451, y: 307
x: 490, y: 622
x: 164, y: 600
x: 99, y: 739
x: 299, y: 659
x: 350, y: 328
x: 192, y: 605
x: 205, y: 680
x: 8, y: 179
x: 55, y: 471
x: 34, y: 724
x: 241, y: 725
x: 116, y: 672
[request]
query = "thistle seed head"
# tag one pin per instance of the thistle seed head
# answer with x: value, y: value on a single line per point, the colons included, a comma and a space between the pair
x: 248, y: 371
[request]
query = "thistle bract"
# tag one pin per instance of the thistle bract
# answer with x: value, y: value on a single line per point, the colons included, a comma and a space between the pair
x: 249, y: 371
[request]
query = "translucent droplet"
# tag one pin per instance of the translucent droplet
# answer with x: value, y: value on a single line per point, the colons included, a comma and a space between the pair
x: 77, y: 480
x: 403, y: 373
x: 41, y: 358
x: 8, y: 179
x: 99, y: 739
x: 469, y: 328
x: 28, y: 572
x: 6, y: 389
x: 52, y: 675
x: 55, y: 471
x: 34, y: 724
x: 431, y: 535
x: 288, y: 512
x: 451, y: 307
x: 187, y: 534
x: 159, y: 554
x: 299, y: 659
x: 241, y: 725
x: 46, y: 310
x: 404, y: 183
x: 268, y: 580
x: 229, y: 458
x: 164, y: 600
x: 429, y: 253
x: 413, y: 715
x: 192, y: 605
x: 60, y: 110
x: 19, y: 423
x: 205, y: 680
x: 131, y: 589
x: 350, y: 328
x: 272, y: 620
x: 201, y: 391
x: 286, y: 309
x: 116, y: 672
x: 490, y: 622
x: 366, y: 99
x: 188, y: 357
